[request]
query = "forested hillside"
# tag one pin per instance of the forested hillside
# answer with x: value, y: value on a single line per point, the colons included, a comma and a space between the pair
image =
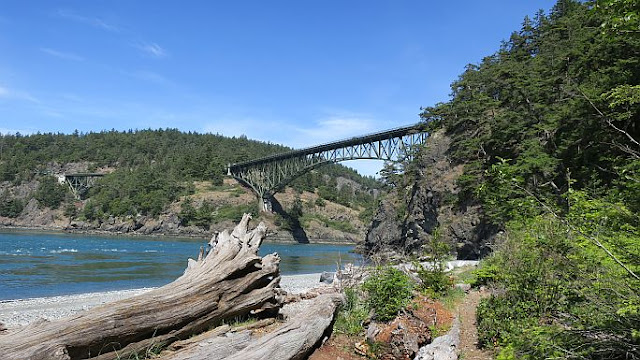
x: 542, y: 138
x: 547, y: 129
x: 146, y: 172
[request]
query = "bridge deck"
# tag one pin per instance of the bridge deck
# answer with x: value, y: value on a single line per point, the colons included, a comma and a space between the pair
x: 84, y: 174
x: 358, y: 140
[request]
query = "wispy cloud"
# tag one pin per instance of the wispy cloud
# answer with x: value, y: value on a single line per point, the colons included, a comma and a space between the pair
x: 151, y: 49
x: 92, y: 21
x: 11, y: 94
x: 62, y: 54
x: 337, y: 127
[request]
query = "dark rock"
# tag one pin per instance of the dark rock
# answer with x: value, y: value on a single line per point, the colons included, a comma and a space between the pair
x: 430, y: 206
x: 327, y: 277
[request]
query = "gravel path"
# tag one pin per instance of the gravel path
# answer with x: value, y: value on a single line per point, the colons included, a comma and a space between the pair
x: 14, y: 313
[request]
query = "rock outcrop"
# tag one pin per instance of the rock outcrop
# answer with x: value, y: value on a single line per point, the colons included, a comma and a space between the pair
x: 408, y: 218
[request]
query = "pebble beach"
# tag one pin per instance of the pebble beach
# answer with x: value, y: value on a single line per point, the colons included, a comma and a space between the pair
x: 15, y: 313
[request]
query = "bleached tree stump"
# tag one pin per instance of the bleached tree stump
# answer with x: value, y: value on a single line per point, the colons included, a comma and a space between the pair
x: 230, y: 281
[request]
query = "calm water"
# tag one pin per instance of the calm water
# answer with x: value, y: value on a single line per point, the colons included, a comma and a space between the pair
x: 33, y: 265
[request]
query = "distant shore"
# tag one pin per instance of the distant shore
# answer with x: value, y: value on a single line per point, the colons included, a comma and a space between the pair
x: 272, y: 238
x: 20, y: 312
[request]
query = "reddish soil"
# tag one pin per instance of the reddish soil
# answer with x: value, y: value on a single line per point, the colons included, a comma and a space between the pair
x: 338, y: 347
x: 412, y: 327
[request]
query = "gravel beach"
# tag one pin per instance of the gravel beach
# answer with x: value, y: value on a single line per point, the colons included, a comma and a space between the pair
x: 14, y: 313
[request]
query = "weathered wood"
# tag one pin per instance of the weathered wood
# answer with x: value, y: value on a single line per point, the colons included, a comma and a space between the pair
x: 230, y: 281
x: 293, y: 340
x: 298, y: 337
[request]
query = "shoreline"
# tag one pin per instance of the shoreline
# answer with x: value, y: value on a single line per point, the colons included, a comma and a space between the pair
x: 180, y: 236
x: 20, y: 312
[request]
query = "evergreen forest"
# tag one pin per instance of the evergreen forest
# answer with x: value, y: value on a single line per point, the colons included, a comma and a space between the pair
x: 548, y: 130
x: 146, y: 170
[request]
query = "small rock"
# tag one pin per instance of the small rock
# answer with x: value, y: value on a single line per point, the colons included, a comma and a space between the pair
x: 327, y: 277
x: 463, y: 287
x: 372, y: 332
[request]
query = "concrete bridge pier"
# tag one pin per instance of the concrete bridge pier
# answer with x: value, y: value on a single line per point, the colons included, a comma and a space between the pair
x: 266, y: 203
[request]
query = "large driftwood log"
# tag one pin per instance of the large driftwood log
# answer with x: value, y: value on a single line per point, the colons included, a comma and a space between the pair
x: 295, y: 339
x: 230, y: 281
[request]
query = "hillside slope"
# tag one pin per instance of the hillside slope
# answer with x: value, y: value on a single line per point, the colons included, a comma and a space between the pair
x: 168, y: 182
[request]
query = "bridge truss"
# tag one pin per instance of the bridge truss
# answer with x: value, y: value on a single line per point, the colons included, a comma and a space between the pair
x: 79, y: 183
x: 268, y: 175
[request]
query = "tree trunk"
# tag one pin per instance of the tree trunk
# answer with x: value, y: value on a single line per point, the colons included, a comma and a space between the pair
x: 231, y: 280
x: 293, y: 340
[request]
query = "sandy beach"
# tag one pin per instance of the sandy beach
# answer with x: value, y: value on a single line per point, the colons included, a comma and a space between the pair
x: 14, y: 313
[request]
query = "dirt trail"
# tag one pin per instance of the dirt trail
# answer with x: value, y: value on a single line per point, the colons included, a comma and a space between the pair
x: 468, y: 330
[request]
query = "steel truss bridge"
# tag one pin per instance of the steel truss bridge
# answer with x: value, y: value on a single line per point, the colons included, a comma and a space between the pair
x: 268, y: 175
x: 79, y: 183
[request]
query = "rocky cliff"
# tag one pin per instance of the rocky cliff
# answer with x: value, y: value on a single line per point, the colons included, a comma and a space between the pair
x: 426, y: 203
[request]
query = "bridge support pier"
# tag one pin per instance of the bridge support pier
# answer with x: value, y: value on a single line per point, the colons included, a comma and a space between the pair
x: 266, y: 205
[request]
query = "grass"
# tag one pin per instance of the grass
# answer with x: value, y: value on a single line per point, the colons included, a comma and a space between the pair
x: 465, y: 274
x: 452, y: 298
x: 351, y: 315
x: 344, y: 226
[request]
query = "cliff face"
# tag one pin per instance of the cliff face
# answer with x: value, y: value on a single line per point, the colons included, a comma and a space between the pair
x: 408, y: 217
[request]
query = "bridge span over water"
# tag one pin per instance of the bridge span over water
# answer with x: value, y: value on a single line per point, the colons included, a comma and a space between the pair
x: 269, y: 174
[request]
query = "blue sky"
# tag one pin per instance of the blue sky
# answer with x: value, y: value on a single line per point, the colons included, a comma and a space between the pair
x: 293, y: 72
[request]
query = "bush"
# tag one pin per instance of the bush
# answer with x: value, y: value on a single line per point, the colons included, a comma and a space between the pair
x: 352, y: 314
x: 50, y: 193
x: 234, y: 213
x: 11, y: 208
x: 388, y: 291
x: 435, y: 281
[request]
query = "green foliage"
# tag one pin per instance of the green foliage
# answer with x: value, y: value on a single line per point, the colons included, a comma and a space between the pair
x: 234, y: 213
x: 546, y: 116
x: 70, y: 211
x: 50, y: 193
x: 11, y: 208
x: 153, y: 167
x: 207, y: 214
x: 340, y: 225
x: 352, y: 314
x: 145, y: 190
x: 486, y: 274
x: 547, y: 129
x: 619, y: 15
x: 435, y: 282
x: 555, y: 279
x: 388, y: 291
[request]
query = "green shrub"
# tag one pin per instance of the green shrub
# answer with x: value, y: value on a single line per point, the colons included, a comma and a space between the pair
x: 388, y: 291
x: 484, y: 275
x: 50, y: 193
x: 11, y: 208
x: 435, y: 281
x: 234, y: 213
x: 352, y: 314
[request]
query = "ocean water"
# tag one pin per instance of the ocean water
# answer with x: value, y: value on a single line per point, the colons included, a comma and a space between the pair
x: 42, y: 264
